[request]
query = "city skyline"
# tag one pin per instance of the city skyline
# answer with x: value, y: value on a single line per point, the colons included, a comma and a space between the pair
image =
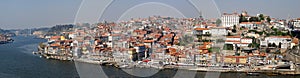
x: 17, y: 14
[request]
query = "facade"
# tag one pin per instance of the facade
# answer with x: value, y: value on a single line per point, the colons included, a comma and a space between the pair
x: 296, y: 23
x: 237, y: 40
x: 235, y: 59
x: 284, y: 40
x: 218, y: 31
x: 250, y: 25
x: 229, y: 20
x: 201, y: 31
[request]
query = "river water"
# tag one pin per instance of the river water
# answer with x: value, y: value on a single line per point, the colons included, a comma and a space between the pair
x: 17, y: 61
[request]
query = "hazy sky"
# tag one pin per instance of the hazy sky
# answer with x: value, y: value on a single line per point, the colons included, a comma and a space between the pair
x: 16, y: 14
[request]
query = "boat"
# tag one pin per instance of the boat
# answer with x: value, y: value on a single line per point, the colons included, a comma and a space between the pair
x: 34, y: 52
x: 252, y: 74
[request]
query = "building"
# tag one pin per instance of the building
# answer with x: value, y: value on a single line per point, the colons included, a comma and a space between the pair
x: 229, y: 20
x: 218, y: 31
x: 250, y: 25
x: 284, y: 41
x: 235, y: 59
x: 296, y: 23
x: 237, y: 40
x: 201, y: 31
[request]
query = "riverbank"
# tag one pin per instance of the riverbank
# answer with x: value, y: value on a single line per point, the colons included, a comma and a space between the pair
x: 190, y: 68
x: 120, y: 62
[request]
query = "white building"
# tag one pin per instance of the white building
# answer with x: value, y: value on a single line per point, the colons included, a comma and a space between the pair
x: 229, y: 20
x: 237, y: 40
x: 201, y: 31
x: 246, y: 40
x: 284, y: 40
x: 218, y: 31
x: 250, y: 25
x: 296, y: 22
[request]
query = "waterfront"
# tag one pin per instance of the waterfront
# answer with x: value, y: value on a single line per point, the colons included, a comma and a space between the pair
x: 17, y: 61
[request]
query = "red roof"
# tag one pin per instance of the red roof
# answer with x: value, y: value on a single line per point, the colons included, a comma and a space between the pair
x: 55, y: 37
x: 148, y: 41
x: 236, y: 56
x: 201, y: 29
x: 55, y: 45
x: 280, y: 37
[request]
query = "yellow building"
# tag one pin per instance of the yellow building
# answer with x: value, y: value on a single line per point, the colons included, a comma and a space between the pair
x: 236, y: 59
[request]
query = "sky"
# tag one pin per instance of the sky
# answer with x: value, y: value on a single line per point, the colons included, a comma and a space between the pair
x: 22, y: 14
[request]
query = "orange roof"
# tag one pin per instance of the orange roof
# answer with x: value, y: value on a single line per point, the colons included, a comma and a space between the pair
x: 251, y: 23
x: 250, y: 54
x: 235, y: 56
x: 245, y: 23
x: 258, y: 22
x: 54, y: 44
x: 280, y: 37
x: 55, y: 37
x: 137, y: 31
x: 295, y: 40
x: 172, y: 49
x: 263, y: 54
x: 201, y: 29
x: 148, y: 41
x: 141, y: 44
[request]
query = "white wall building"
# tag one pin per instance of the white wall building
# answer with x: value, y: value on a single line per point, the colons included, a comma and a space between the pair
x: 240, y: 42
x: 296, y: 22
x: 218, y: 31
x: 228, y: 20
x: 284, y: 40
x: 246, y: 40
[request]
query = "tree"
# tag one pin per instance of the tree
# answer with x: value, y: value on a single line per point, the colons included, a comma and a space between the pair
x: 234, y: 29
x: 234, y: 26
x: 268, y: 50
x: 218, y: 22
x: 261, y: 17
x: 210, y: 50
x: 268, y: 19
x: 254, y: 19
x: 228, y: 34
x: 243, y: 19
x: 228, y: 47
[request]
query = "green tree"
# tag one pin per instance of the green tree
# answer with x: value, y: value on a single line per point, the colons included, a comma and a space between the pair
x: 243, y: 19
x: 234, y: 29
x: 261, y: 17
x: 254, y: 19
x: 228, y: 47
x: 234, y: 26
x: 268, y: 19
x: 218, y: 22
